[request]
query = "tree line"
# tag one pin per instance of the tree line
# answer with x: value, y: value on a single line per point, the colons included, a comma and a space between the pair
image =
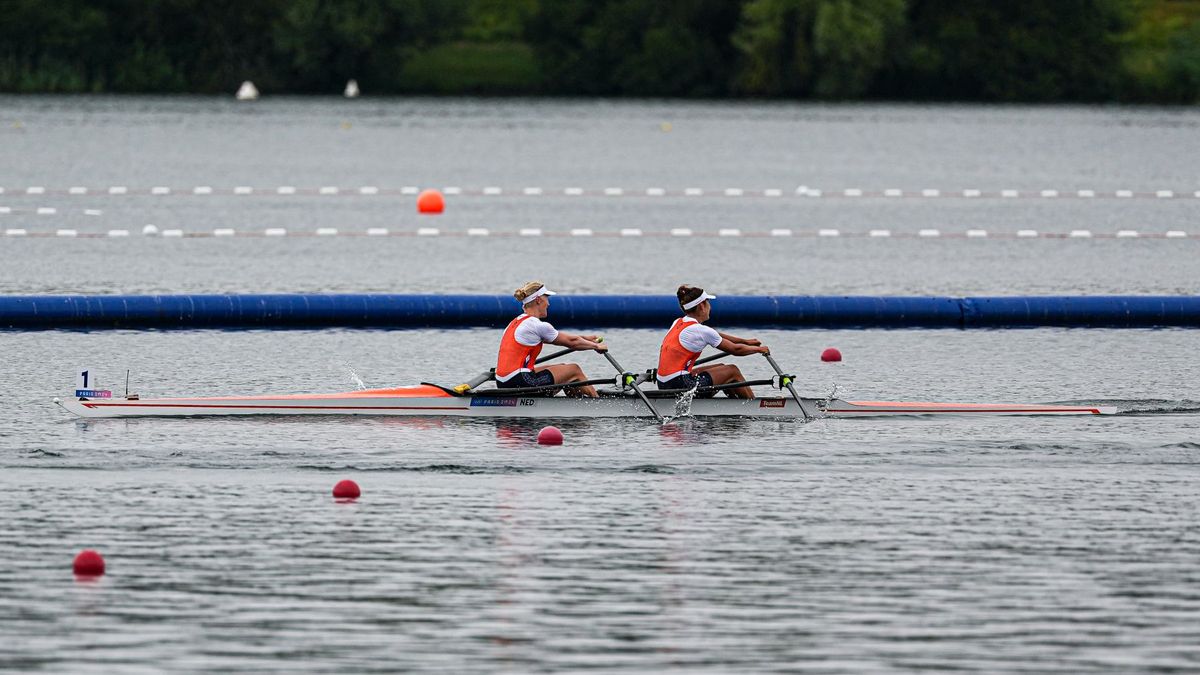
x: 969, y: 50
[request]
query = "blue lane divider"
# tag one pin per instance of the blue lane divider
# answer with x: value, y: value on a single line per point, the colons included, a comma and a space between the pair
x: 35, y: 312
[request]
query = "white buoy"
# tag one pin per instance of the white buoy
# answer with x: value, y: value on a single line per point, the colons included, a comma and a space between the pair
x: 247, y: 92
x: 351, y: 90
x: 150, y: 231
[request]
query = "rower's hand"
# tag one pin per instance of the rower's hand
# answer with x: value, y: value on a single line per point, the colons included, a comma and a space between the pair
x: 751, y: 342
x: 592, y: 338
x: 763, y: 349
x: 601, y: 347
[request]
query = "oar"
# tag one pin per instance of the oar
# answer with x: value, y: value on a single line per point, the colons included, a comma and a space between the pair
x: 555, y: 355
x: 474, y: 382
x: 787, y: 381
x: 633, y: 383
x: 714, y: 357
x: 484, y: 377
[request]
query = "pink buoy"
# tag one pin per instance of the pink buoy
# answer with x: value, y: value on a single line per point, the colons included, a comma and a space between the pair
x: 550, y: 436
x: 89, y: 563
x: 830, y: 355
x: 346, y: 489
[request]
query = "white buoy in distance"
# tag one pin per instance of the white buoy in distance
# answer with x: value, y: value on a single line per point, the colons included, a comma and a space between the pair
x: 247, y: 92
x: 351, y: 89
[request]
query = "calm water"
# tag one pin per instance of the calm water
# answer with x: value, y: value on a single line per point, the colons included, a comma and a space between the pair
x: 1013, y: 544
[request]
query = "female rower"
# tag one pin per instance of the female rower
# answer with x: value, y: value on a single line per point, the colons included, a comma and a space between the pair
x: 516, y: 366
x: 687, y: 339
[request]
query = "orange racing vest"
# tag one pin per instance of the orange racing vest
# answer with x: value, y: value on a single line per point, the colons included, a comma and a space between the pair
x: 673, y: 358
x: 515, y: 357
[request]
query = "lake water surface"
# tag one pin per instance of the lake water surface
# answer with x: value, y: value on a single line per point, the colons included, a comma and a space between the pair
x: 987, y: 545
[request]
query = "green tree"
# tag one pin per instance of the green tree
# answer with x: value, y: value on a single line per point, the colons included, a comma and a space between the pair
x: 53, y: 46
x: 639, y: 47
x: 776, y: 48
x: 852, y: 40
x: 1019, y: 50
x: 1160, y: 53
x: 322, y: 43
x: 830, y: 48
x: 1183, y: 65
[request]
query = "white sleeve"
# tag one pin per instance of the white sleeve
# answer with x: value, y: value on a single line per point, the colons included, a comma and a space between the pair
x: 534, y: 331
x: 546, y: 332
x: 695, y: 337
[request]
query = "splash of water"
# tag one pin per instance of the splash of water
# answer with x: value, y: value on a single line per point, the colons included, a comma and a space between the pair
x: 823, y: 405
x: 683, y: 404
x: 358, y: 381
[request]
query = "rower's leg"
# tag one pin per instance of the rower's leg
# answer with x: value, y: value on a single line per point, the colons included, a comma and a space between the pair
x: 724, y: 373
x: 569, y: 372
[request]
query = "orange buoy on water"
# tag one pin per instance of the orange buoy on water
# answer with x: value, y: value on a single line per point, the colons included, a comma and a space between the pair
x: 831, y: 355
x: 550, y: 436
x: 89, y: 563
x: 346, y: 489
x: 430, y: 201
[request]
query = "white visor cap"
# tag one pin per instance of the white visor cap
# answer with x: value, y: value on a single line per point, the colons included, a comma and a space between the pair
x: 695, y: 303
x: 537, y: 294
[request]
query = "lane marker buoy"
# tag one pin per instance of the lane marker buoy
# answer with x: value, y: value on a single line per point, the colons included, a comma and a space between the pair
x: 550, y: 436
x: 431, y: 202
x: 346, y: 490
x: 88, y: 563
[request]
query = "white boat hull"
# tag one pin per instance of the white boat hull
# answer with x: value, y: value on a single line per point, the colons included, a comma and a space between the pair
x: 427, y: 401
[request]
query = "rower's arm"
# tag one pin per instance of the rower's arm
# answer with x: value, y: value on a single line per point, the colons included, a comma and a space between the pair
x: 740, y: 341
x: 578, y: 342
x: 738, y: 349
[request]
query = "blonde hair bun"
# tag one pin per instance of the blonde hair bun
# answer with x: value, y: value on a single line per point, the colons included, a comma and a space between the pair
x: 527, y: 290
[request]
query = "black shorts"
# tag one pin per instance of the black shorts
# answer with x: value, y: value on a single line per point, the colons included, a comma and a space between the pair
x: 521, y: 380
x: 687, y: 381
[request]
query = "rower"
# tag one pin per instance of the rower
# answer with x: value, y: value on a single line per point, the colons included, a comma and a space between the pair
x: 687, y: 339
x: 516, y: 365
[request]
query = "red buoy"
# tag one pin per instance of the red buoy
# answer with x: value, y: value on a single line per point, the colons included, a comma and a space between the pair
x: 830, y: 355
x: 89, y: 563
x: 430, y: 201
x: 550, y: 436
x: 346, y: 489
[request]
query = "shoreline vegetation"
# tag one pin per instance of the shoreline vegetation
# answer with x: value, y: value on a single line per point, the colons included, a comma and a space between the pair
x: 1129, y: 51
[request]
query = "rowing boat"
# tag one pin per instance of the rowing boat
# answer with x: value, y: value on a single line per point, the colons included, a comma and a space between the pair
x: 434, y: 400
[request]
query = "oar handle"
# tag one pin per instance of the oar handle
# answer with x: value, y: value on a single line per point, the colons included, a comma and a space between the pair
x: 779, y: 372
x: 633, y: 384
x: 555, y: 355
x: 562, y: 352
x: 714, y: 357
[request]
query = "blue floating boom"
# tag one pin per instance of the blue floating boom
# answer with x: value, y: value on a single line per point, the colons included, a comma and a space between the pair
x: 37, y: 312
